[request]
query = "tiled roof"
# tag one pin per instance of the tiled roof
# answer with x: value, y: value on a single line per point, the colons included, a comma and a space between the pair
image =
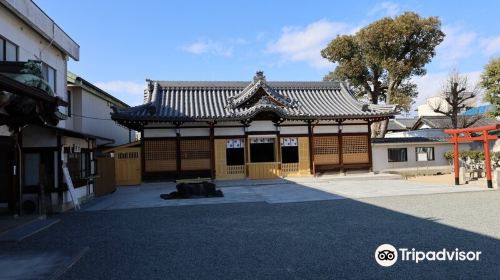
x: 400, y: 124
x: 443, y: 122
x: 404, y: 140
x: 408, y: 123
x: 395, y: 126
x: 199, y: 100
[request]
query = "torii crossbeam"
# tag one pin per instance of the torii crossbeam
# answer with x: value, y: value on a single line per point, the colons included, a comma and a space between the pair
x: 464, y: 135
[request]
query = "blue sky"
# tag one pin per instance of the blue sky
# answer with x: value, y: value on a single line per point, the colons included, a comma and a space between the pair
x: 124, y: 42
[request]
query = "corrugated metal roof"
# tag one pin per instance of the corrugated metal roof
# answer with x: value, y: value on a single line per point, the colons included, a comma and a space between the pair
x: 238, y: 100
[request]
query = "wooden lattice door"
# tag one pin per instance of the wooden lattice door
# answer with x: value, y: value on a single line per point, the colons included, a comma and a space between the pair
x: 355, y: 149
x: 128, y: 166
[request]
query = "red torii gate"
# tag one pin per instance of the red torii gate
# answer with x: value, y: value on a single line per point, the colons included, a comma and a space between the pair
x: 485, y: 137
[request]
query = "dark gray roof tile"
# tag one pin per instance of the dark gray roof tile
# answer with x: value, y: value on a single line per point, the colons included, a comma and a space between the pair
x: 214, y: 100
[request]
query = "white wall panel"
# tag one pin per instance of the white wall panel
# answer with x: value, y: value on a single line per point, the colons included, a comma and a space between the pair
x: 225, y: 131
x: 294, y: 130
x: 160, y: 132
x: 186, y: 132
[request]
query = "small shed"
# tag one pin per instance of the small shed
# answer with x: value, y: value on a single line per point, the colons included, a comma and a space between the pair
x: 127, y: 161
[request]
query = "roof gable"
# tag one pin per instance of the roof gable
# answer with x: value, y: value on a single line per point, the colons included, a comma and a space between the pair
x: 259, y: 92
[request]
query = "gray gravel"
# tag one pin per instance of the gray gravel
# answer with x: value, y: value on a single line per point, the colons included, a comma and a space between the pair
x: 307, y: 240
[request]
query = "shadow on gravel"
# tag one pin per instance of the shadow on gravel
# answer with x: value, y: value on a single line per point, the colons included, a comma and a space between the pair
x: 327, y: 239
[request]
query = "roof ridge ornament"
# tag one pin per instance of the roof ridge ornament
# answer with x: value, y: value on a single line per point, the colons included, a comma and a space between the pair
x: 259, y: 76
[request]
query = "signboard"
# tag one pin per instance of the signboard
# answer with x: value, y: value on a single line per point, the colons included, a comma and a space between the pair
x: 235, y: 143
x: 71, y: 189
x: 289, y: 142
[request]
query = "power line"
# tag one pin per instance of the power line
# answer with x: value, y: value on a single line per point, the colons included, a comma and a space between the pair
x: 94, y: 118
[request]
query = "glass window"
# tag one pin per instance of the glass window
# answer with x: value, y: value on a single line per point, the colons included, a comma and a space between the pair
x: 10, y: 51
x: 424, y: 153
x: 69, y: 104
x: 78, y: 166
x: 397, y: 155
x: 49, y: 75
x: 262, y: 150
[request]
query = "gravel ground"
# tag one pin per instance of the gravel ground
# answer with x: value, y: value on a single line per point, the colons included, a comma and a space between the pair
x: 313, y: 240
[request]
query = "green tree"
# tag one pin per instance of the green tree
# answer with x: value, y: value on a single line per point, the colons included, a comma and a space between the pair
x: 490, y: 80
x: 381, y: 58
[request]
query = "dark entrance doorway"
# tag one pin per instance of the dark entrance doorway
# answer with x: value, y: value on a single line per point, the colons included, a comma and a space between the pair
x: 7, y: 163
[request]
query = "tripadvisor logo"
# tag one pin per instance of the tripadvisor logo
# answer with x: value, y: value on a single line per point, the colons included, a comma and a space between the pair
x: 387, y: 255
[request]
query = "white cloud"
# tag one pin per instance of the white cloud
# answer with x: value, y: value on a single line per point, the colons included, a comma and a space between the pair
x: 298, y: 43
x: 385, y: 9
x: 457, y: 44
x: 491, y: 45
x: 129, y: 92
x: 431, y: 84
x: 218, y: 48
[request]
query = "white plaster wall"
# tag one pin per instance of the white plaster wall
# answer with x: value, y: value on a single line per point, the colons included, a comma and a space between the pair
x: 73, y: 122
x: 326, y: 129
x: 100, y: 109
x: 294, y: 130
x: 70, y: 141
x: 381, y: 160
x: 159, y: 132
x: 30, y: 45
x: 30, y: 12
x: 186, y: 132
x: 262, y: 126
x: 354, y: 128
x: 228, y: 131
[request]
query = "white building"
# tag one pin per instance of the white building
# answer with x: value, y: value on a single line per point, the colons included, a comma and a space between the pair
x: 412, y: 155
x: 27, y: 33
x: 89, y: 112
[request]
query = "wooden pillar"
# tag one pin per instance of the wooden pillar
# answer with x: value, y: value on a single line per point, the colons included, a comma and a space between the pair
x: 369, y: 136
x: 487, y: 160
x: 143, y: 156
x: 178, y: 150
x: 455, y: 157
x: 212, y: 151
x: 341, y: 152
x: 247, y: 148
x: 310, y: 130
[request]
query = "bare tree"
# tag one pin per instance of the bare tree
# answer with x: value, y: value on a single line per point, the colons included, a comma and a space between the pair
x: 457, y: 93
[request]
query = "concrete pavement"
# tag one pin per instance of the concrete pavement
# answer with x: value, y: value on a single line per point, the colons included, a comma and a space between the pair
x: 276, y: 191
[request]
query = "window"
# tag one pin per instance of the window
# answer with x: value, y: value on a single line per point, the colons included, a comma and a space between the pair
x: 79, y: 166
x: 262, y: 150
x: 235, y: 151
x: 8, y: 51
x: 397, y: 154
x: 38, y: 167
x: 69, y: 104
x: 289, y: 150
x: 424, y: 153
x: 49, y: 74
